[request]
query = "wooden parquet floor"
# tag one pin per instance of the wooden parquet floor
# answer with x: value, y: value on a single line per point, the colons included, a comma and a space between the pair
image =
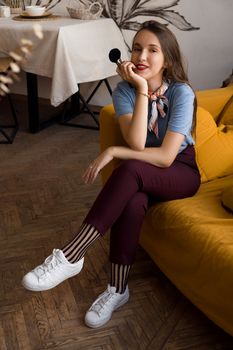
x: 42, y: 202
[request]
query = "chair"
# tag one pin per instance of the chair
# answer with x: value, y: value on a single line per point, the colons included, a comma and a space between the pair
x: 8, y: 131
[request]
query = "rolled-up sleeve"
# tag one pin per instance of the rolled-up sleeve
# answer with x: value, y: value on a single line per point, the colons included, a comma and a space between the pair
x: 123, y: 98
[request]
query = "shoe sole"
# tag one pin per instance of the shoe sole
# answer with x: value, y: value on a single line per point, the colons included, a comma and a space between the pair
x: 100, y: 324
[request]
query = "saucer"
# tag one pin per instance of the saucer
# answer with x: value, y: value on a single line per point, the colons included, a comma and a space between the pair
x: 24, y: 14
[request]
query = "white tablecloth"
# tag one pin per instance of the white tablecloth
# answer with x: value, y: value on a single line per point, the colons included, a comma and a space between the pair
x: 72, y: 51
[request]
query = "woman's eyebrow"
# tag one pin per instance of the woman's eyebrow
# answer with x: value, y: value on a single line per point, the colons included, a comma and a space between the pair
x: 155, y: 45
x: 150, y: 45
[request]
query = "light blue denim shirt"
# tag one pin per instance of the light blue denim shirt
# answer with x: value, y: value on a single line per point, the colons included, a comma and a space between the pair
x: 179, y: 116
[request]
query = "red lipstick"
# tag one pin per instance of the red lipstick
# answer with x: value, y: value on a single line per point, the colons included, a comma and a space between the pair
x: 141, y: 66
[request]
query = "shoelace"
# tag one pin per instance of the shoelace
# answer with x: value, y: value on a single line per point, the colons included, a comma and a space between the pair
x: 49, y: 264
x: 102, y: 301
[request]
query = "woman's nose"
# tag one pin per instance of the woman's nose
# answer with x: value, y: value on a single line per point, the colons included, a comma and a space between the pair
x: 143, y: 55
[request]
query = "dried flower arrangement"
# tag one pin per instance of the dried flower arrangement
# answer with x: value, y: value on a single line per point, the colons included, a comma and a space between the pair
x: 18, y: 58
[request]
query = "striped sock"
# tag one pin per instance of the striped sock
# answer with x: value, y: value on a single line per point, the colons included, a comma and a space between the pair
x: 76, y: 249
x: 119, y: 277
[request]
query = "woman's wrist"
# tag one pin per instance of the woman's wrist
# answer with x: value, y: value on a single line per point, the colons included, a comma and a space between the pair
x: 142, y: 89
x: 143, y: 93
x: 110, y: 151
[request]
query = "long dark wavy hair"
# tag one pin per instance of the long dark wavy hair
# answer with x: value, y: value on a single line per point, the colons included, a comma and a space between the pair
x: 174, y: 71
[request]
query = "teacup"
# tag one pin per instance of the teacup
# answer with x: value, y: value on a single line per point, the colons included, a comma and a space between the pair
x: 35, y: 10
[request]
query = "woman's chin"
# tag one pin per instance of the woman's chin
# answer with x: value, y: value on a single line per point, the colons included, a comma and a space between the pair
x: 142, y: 73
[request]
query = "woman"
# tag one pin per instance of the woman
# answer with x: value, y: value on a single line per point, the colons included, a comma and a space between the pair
x: 156, y: 110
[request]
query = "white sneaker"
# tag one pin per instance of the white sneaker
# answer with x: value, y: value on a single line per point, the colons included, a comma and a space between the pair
x: 55, y: 269
x: 101, y: 310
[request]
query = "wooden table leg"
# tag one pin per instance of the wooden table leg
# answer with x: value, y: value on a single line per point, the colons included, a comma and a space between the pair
x: 33, y: 104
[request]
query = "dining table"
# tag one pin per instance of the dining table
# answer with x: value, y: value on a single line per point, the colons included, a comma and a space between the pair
x: 72, y: 52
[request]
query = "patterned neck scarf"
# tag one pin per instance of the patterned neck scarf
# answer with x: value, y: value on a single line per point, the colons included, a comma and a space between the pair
x: 159, y: 106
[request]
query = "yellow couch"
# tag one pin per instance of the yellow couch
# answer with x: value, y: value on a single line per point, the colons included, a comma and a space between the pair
x: 191, y: 240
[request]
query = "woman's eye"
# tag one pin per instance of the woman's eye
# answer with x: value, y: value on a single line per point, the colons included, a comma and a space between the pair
x: 136, y: 49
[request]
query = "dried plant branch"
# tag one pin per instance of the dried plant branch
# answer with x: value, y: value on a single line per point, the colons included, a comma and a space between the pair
x: 18, y: 58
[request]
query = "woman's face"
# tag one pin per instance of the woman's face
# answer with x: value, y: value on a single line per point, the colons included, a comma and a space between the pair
x: 147, y: 56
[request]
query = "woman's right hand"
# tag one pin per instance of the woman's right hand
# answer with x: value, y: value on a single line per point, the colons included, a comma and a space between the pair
x: 97, y: 165
x: 126, y: 72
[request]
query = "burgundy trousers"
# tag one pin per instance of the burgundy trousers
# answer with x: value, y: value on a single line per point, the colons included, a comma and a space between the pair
x: 133, y: 186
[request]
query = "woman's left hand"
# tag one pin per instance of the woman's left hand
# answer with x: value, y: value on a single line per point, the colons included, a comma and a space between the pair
x: 97, y: 165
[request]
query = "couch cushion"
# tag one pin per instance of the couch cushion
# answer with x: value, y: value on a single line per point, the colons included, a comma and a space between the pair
x: 227, y: 198
x: 226, y: 117
x: 214, y: 100
x: 191, y: 240
x: 214, y: 147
